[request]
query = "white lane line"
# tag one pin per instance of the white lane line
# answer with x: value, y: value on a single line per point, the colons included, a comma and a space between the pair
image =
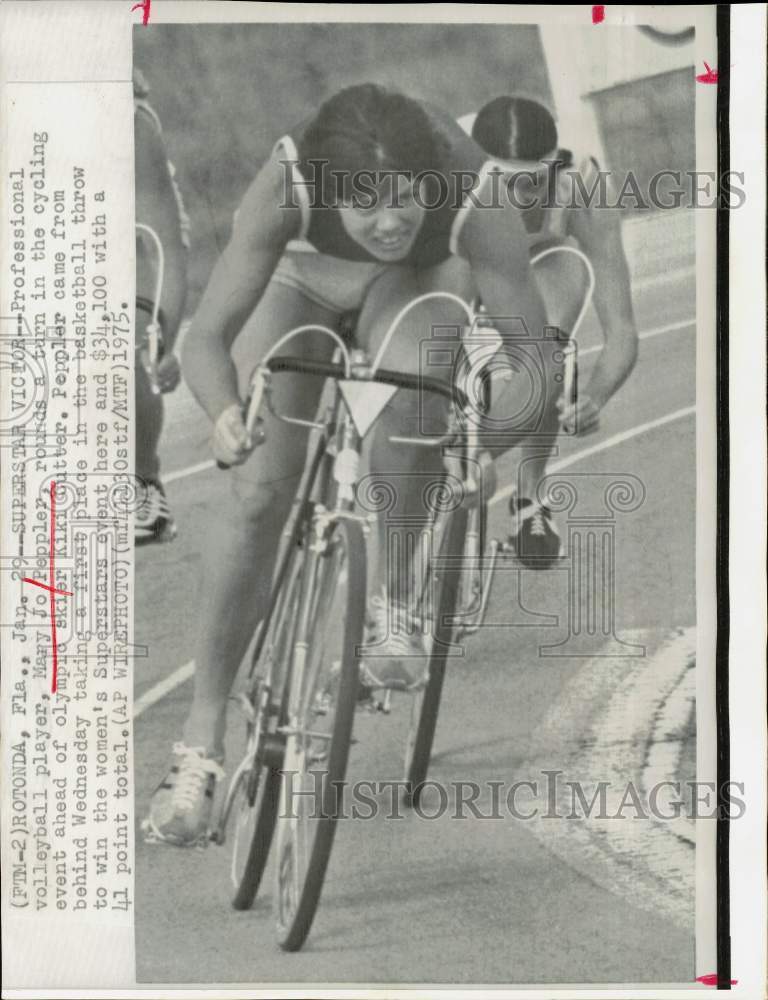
x: 657, y: 331
x: 183, y: 673
x: 666, y: 277
x: 602, y: 729
x: 615, y: 439
x: 684, y: 324
x: 191, y: 470
x: 164, y: 687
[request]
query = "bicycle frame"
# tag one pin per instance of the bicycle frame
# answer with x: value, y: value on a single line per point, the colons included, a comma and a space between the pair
x: 339, y: 438
x: 154, y: 330
x: 476, y: 590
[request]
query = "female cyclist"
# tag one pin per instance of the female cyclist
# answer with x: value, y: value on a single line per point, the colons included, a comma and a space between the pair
x: 376, y: 199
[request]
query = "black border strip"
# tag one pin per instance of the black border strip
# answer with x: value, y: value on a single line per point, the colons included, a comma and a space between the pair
x: 722, y: 873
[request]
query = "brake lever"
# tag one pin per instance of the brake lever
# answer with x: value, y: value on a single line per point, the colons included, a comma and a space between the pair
x: 259, y: 387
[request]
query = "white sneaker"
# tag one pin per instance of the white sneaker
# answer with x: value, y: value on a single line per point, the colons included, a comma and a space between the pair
x: 394, y: 655
x: 180, y: 810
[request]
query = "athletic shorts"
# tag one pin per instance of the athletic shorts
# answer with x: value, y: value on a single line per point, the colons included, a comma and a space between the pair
x: 333, y: 283
x: 342, y: 285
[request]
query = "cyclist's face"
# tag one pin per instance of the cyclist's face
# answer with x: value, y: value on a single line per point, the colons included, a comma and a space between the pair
x: 385, y: 220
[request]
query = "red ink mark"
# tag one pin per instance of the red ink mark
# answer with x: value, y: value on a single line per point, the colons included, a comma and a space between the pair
x: 598, y: 13
x: 52, y: 590
x: 711, y: 979
x: 144, y: 5
x: 709, y: 77
x: 44, y: 586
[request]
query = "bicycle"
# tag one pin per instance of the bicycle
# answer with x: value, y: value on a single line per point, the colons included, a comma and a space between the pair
x: 301, y: 691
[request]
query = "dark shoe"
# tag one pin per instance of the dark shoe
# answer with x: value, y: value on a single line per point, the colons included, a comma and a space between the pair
x: 534, y: 536
x: 153, y: 521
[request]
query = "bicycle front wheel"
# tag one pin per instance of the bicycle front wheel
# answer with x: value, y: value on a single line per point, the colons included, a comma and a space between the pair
x: 321, y: 712
x: 445, y: 575
x: 250, y: 810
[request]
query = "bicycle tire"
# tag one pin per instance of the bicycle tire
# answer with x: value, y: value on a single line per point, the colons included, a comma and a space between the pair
x: 426, y: 703
x: 261, y: 840
x: 294, y: 916
x: 259, y: 805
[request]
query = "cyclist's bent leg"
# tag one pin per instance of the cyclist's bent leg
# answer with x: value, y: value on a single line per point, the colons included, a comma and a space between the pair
x: 408, y: 472
x: 242, y: 536
x: 153, y: 521
x: 562, y: 281
x: 240, y: 539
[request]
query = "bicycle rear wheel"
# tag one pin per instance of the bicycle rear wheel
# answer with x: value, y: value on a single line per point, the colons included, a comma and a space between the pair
x: 250, y: 808
x: 446, y: 576
x: 321, y: 713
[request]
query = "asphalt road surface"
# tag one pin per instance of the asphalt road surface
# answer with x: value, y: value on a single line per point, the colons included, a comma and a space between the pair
x: 472, y: 900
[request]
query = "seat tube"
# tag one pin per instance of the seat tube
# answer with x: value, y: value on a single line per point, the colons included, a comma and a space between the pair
x: 346, y: 468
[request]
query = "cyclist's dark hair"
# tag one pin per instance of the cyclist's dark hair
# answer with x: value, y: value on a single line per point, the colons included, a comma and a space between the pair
x: 536, y: 128
x: 368, y: 128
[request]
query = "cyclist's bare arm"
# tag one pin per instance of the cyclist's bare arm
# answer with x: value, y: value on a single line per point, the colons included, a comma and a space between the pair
x: 156, y: 207
x: 261, y: 231
x: 598, y: 232
x: 494, y: 242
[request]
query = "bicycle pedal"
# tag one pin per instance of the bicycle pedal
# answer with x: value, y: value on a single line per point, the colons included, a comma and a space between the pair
x: 373, y: 705
x: 365, y: 706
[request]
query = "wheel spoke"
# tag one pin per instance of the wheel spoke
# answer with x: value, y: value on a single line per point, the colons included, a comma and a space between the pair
x: 253, y: 797
x: 318, y: 731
